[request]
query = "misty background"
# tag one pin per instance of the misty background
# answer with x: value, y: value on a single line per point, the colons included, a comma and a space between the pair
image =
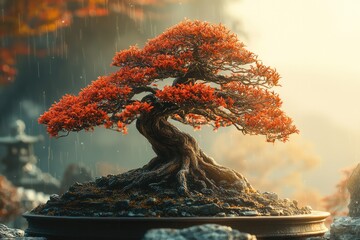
x: 312, y: 44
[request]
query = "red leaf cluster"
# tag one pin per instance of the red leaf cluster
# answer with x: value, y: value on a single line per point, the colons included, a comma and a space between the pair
x: 23, y: 18
x: 337, y: 202
x: 9, y: 200
x: 215, y: 81
x: 7, y: 66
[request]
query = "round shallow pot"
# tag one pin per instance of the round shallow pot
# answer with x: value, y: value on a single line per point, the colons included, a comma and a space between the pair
x: 264, y: 227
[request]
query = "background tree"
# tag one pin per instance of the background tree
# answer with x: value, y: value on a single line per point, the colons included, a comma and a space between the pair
x: 337, y: 202
x: 209, y: 78
x: 279, y: 168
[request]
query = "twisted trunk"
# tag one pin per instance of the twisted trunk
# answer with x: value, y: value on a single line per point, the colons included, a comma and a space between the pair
x: 179, y: 163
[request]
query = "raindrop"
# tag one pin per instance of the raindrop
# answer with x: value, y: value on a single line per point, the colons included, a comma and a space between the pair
x: 83, y: 53
x: 50, y: 70
x: 38, y: 69
x: 61, y: 158
x: 49, y: 157
x: 19, y: 21
x: 47, y: 42
x: 44, y: 100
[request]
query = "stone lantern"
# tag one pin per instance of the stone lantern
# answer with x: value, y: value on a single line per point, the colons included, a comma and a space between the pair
x: 19, y: 164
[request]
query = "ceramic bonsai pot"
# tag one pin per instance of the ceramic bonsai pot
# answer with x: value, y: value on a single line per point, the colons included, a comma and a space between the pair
x: 264, y: 227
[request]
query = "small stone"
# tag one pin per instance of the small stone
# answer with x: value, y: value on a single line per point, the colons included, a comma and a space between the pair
x: 239, y: 202
x: 250, y: 213
x: 221, y: 214
x: 151, y: 201
x: 231, y: 191
x: 276, y: 212
x: 54, y: 197
x: 270, y: 195
x: 345, y: 228
x: 226, y: 205
x: 288, y: 212
x: 106, y: 214
x: 308, y: 208
x: 207, y: 191
x: 210, y: 209
x: 122, y: 204
x: 270, y: 207
x: 113, y: 181
x: 101, y: 182
x: 152, y: 214
x: 172, y: 212
x: 77, y: 184
x: 240, y: 184
x: 200, y: 232
x: 287, y: 202
x: 169, y: 193
x: 131, y: 214
x: 6, y: 232
x: 168, y: 203
x: 134, y: 196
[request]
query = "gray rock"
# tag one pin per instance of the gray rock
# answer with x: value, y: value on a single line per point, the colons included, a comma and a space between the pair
x: 207, y: 191
x: 151, y: 201
x: 345, y: 228
x: 123, y: 204
x: 221, y: 214
x: 226, y: 205
x: 210, y: 209
x: 354, y: 190
x: 250, y: 213
x: 54, y: 197
x: 6, y: 232
x: 276, y: 212
x: 201, y: 232
x: 172, y: 212
x: 240, y: 184
x: 271, y: 196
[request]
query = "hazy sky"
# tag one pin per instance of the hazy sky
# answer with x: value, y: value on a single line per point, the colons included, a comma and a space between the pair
x: 315, y: 46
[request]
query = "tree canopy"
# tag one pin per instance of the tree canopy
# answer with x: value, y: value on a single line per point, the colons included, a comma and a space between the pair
x: 208, y: 78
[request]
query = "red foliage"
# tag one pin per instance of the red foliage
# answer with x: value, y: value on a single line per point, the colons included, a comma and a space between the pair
x: 7, y: 69
x: 215, y: 81
x: 23, y: 18
x: 337, y: 202
x: 9, y: 200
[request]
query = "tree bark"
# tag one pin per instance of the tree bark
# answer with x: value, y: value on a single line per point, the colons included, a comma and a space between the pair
x: 179, y: 162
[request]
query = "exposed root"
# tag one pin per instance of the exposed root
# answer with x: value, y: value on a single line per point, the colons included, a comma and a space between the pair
x: 187, y: 175
x: 179, y: 165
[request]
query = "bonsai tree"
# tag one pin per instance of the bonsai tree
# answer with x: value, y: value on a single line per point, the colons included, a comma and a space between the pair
x: 207, y: 78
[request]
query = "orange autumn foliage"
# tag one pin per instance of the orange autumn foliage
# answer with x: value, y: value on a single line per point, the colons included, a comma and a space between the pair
x: 211, y: 80
x: 337, y: 202
x: 23, y: 18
